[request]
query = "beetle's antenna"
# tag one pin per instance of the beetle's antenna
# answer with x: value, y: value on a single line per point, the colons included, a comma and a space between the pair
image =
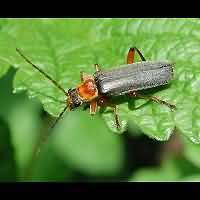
x: 58, y: 118
x: 45, y: 95
x: 41, y: 141
x: 41, y: 71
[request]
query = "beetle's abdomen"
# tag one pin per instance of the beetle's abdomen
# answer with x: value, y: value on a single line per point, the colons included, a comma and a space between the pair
x: 133, y: 77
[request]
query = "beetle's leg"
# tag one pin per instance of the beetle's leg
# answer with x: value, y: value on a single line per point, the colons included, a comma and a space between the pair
x: 81, y: 76
x: 115, y: 108
x: 97, y: 67
x: 104, y: 101
x: 153, y: 98
x: 157, y: 100
x: 130, y: 59
x: 84, y: 76
x: 131, y: 55
x: 93, y: 107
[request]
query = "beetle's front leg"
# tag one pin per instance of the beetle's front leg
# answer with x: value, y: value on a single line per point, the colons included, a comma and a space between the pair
x: 93, y: 107
x: 152, y: 98
x: 97, y: 67
x: 84, y: 76
x: 104, y: 101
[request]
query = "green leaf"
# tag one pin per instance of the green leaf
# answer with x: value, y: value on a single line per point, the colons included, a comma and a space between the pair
x: 88, y: 146
x: 191, y: 152
x: 48, y: 166
x: 64, y: 47
x: 192, y: 178
x: 168, y: 171
x: 4, y: 61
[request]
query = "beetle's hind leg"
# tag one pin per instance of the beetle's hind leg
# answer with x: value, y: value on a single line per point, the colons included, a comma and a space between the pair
x: 157, y: 100
x: 104, y: 102
x: 152, y: 98
x: 130, y: 59
x: 131, y: 55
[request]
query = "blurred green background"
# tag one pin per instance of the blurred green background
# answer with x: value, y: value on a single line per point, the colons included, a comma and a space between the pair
x: 81, y: 147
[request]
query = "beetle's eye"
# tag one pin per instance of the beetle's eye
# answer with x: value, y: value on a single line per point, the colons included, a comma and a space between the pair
x: 77, y: 104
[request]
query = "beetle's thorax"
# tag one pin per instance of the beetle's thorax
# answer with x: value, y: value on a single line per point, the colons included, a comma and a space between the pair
x: 87, y: 90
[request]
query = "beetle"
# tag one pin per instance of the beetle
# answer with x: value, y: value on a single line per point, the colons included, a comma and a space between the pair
x: 128, y: 79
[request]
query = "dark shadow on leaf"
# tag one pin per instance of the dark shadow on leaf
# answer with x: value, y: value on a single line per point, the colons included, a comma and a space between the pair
x: 7, y: 157
x: 117, y: 100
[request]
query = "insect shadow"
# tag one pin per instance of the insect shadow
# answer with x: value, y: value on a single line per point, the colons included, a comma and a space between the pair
x: 131, y: 100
